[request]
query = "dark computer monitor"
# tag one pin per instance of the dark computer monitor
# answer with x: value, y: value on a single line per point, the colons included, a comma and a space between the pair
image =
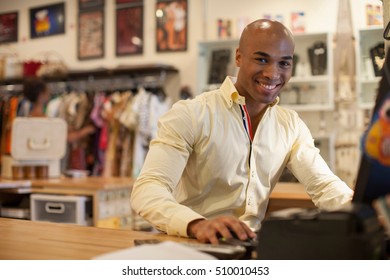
x: 373, y: 179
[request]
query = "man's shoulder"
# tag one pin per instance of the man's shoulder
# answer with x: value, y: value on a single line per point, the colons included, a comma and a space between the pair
x: 283, y: 111
x: 285, y: 115
x: 202, y: 99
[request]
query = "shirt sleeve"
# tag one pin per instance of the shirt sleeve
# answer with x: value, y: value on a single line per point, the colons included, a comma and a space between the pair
x: 327, y: 191
x: 152, y: 196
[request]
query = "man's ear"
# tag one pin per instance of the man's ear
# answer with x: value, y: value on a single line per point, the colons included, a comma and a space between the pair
x: 238, y: 57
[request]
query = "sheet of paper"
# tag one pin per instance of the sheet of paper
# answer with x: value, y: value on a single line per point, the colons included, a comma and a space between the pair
x: 167, y: 250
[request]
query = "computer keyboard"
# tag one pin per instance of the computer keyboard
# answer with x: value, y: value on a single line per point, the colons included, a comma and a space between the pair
x: 220, y: 251
x: 237, y: 242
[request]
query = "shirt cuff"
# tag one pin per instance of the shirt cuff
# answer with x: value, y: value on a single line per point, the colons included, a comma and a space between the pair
x: 179, y: 222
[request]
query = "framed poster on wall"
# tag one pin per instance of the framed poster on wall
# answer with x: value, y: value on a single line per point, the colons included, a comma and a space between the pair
x: 138, y: 2
x: 47, y: 20
x: 129, y: 31
x: 9, y: 27
x: 90, y: 34
x: 171, y: 25
x: 88, y: 4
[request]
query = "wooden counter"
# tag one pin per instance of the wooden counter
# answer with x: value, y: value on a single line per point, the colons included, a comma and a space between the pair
x: 285, y: 195
x: 22, y: 239
x: 288, y: 195
x: 101, y: 190
x: 28, y: 240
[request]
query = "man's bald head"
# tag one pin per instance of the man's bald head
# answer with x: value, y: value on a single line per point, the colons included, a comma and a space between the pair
x: 265, y: 60
x: 270, y: 28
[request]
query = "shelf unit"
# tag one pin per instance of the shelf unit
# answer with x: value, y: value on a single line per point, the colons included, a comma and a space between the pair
x: 303, y: 93
x: 326, y: 144
x: 205, y: 53
x: 367, y: 82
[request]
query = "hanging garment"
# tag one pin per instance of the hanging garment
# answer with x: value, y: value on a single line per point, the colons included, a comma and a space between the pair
x: 53, y: 107
x: 149, y: 108
x: 111, y: 166
x: 11, y: 114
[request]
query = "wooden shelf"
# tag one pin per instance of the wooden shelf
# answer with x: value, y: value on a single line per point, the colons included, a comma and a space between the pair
x: 366, y: 82
x: 87, y: 184
x: 128, y: 70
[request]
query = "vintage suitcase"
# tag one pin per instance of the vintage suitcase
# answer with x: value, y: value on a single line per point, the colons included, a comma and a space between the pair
x: 36, y: 142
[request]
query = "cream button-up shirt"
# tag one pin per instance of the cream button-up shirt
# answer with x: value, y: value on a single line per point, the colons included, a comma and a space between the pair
x: 202, y: 163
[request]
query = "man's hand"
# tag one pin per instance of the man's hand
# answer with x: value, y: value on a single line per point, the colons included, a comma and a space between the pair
x: 223, y: 226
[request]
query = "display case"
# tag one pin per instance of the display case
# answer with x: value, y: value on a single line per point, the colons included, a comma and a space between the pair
x: 310, y: 88
x: 326, y: 145
x: 216, y: 61
x: 366, y: 77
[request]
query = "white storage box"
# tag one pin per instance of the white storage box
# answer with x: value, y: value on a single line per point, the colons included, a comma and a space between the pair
x: 61, y: 209
x: 36, y: 142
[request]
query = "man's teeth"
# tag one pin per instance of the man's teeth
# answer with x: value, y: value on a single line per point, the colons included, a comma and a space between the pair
x: 269, y: 87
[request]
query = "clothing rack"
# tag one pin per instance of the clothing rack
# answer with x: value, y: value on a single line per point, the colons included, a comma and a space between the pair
x: 120, y: 78
x: 11, y: 89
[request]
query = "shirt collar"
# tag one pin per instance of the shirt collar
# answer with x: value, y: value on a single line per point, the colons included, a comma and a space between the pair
x: 230, y: 93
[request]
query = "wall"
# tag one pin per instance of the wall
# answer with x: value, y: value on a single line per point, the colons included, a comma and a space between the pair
x: 66, y: 44
x: 320, y: 16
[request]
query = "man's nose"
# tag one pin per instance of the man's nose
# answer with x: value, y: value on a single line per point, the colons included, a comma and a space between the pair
x: 271, y: 71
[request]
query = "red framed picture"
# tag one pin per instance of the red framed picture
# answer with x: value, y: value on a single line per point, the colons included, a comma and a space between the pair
x: 129, y: 31
x: 91, y: 34
x: 171, y: 25
x: 9, y: 27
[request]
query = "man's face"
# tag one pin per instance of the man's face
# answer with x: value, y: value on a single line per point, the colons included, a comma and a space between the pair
x: 265, y: 63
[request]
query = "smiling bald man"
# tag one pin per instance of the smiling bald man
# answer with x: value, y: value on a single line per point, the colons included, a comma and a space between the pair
x: 216, y: 158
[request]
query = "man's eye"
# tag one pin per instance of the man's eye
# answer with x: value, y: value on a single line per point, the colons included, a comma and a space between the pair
x: 285, y: 64
x: 262, y: 60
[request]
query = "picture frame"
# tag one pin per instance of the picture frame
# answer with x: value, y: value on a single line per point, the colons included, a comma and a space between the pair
x: 171, y: 25
x: 88, y: 4
x: 90, y: 43
x: 9, y: 27
x: 138, y: 2
x: 129, y: 31
x: 47, y: 20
